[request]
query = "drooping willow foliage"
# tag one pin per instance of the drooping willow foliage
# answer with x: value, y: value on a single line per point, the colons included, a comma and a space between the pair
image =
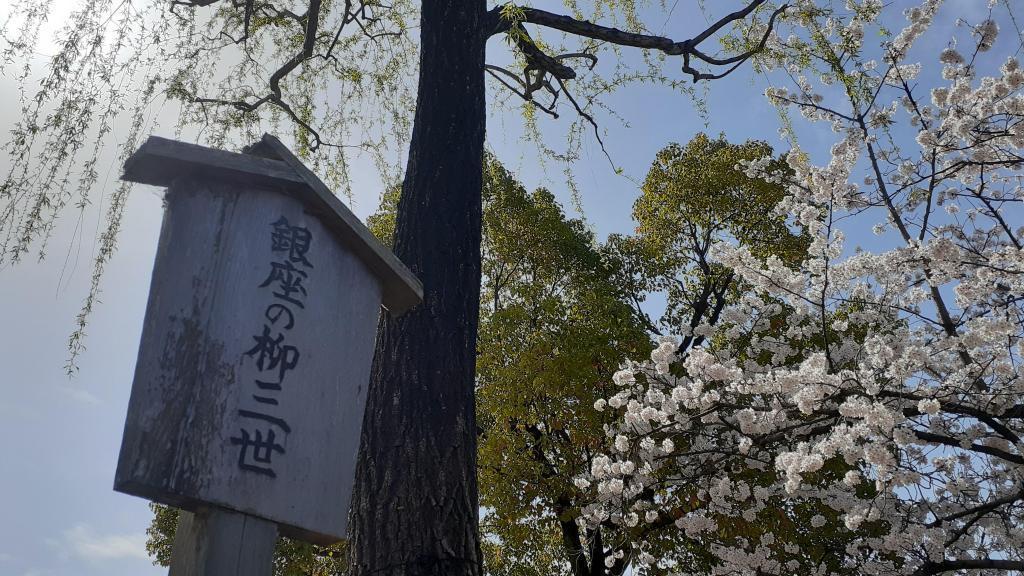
x: 117, y: 64
x: 338, y: 76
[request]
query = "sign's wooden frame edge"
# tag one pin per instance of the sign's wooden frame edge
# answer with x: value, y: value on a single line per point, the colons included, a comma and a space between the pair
x: 161, y: 161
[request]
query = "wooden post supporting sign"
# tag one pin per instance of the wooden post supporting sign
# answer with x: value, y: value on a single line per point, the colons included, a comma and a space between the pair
x: 213, y: 541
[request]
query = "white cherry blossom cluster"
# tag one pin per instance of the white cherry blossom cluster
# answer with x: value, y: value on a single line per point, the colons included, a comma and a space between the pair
x: 869, y: 402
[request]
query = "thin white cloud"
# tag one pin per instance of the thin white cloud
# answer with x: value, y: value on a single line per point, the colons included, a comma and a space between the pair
x: 79, y: 395
x: 83, y: 541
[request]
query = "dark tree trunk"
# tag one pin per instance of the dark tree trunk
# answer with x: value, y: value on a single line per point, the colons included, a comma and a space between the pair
x: 596, y: 553
x: 415, y: 509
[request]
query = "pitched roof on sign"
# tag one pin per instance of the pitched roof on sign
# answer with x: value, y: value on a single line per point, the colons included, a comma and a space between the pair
x: 160, y: 161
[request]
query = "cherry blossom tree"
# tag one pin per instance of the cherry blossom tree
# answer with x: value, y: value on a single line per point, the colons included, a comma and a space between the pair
x: 880, y: 387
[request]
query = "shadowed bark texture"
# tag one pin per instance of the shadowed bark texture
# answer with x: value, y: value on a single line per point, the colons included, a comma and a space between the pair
x: 415, y: 508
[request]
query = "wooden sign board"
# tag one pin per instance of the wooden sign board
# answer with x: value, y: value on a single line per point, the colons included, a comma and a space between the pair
x: 258, y: 338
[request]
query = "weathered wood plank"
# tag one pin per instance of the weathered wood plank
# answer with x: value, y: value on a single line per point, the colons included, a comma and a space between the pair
x: 220, y: 356
x: 215, y: 542
x: 160, y: 162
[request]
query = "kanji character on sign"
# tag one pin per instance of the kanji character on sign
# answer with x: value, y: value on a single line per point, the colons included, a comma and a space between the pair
x: 256, y: 451
x: 271, y: 354
x: 292, y: 239
x: 288, y: 281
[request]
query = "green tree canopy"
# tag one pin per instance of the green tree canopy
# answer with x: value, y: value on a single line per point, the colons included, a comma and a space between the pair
x: 694, y: 197
x: 555, y: 326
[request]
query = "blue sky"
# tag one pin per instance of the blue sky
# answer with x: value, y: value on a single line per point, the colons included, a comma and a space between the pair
x: 60, y: 515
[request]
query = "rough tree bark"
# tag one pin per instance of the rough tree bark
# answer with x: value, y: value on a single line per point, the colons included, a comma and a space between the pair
x: 415, y: 509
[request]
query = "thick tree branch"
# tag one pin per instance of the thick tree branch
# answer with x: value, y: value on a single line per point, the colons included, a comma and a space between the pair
x: 542, y: 65
x: 949, y: 441
x: 576, y: 27
x: 982, y: 509
x: 931, y: 568
x: 686, y: 48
